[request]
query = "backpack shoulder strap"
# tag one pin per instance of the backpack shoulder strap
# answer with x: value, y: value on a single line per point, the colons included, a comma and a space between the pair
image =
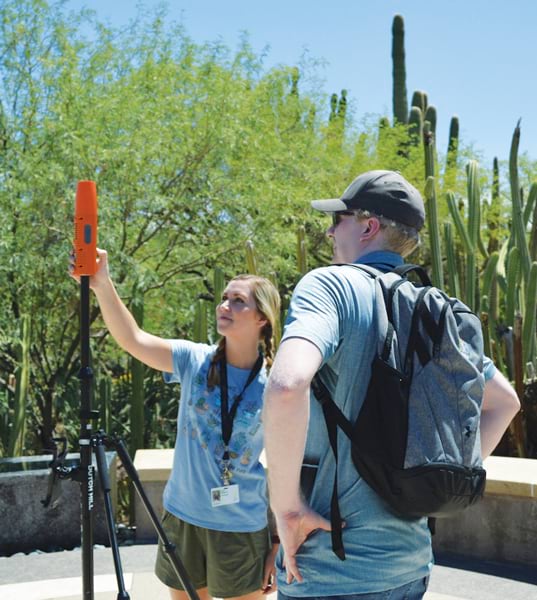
x: 404, y: 270
x: 333, y: 417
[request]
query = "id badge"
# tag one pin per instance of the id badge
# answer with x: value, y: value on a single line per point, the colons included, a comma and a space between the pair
x: 227, y: 494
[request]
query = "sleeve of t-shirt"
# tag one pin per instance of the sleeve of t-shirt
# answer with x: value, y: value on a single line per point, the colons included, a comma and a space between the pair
x: 489, y: 369
x: 182, y: 351
x: 314, y: 312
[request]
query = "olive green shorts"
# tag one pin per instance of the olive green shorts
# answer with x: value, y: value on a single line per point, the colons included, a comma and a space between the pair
x: 228, y: 564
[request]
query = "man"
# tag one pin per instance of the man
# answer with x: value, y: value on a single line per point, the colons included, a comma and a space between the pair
x: 330, y: 322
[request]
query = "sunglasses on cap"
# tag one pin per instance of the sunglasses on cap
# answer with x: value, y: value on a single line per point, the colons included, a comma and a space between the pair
x: 337, y: 216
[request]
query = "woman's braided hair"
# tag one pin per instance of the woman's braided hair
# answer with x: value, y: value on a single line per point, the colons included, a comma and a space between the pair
x: 267, y: 301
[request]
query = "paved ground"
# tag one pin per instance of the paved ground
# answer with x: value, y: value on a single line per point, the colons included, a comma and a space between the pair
x: 56, y: 575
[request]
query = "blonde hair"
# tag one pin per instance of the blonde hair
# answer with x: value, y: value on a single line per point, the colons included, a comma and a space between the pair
x: 267, y: 303
x: 400, y: 238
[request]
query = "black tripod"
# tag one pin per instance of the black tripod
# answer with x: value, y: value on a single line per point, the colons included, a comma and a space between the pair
x: 95, y: 443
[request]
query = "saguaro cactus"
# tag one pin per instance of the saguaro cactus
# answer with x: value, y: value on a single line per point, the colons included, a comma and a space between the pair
x: 415, y: 125
x: 528, y: 328
x: 200, y: 333
x: 302, y: 256
x: 450, y: 172
x: 512, y: 285
x: 494, y: 213
x: 251, y: 258
x: 419, y: 99
x: 429, y: 148
x: 105, y: 402
x: 453, y: 143
x: 434, y: 233
x: 519, y: 230
x: 469, y: 233
x: 219, y: 285
x: 533, y: 235
x: 400, y: 102
x: 333, y: 108
x: 452, y: 270
x: 430, y: 115
x: 22, y: 376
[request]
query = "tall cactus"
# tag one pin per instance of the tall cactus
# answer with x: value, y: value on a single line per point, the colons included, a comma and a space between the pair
x: 302, y: 257
x: 200, y: 333
x: 533, y: 235
x: 419, y: 99
x: 529, y: 206
x: 494, y: 213
x: 342, y: 106
x: 488, y: 301
x: 528, y: 330
x: 434, y: 233
x: 430, y: 115
x: 415, y: 125
x: 513, y: 278
x: 219, y: 285
x: 333, y: 108
x: 429, y: 149
x: 453, y: 143
x: 519, y: 229
x: 516, y: 427
x: 105, y: 402
x: 453, y: 272
x: 22, y: 375
x: 251, y: 258
x: 450, y: 172
x: 469, y: 234
x: 137, y: 382
x: 486, y: 326
x: 400, y: 101
x: 474, y: 201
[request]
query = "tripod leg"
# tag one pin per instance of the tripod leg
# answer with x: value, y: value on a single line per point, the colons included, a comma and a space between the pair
x: 102, y: 470
x: 169, y: 548
x: 86, y: 502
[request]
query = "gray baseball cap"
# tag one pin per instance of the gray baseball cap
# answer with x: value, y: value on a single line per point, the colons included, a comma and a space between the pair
x: 385, y: 193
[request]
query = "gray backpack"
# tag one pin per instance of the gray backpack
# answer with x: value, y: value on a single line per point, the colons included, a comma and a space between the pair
x: 416, y: 438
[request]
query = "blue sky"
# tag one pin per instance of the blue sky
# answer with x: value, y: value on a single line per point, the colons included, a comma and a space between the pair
x: 475, y: 58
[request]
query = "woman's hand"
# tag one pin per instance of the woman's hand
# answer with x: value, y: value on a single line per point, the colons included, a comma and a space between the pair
x: 101, y: 276
x: 269, y: 573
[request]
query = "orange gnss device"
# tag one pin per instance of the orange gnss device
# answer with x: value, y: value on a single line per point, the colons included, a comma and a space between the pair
x: 85, y: 242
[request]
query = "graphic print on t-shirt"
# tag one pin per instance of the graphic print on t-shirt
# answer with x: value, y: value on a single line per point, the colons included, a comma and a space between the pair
x: 203, y: 419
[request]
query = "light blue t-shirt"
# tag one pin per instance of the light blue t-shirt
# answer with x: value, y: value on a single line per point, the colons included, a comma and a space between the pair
x: 332, y: 307
x: 199, y: 446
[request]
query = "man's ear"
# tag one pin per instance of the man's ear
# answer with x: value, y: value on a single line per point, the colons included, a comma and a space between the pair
x: 371, y: 230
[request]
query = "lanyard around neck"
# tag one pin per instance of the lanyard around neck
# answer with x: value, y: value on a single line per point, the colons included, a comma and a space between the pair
x: 228, y: 415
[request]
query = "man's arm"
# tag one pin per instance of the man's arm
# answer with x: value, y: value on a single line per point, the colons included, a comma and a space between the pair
x: 500, y: 405
x: 285, y: 419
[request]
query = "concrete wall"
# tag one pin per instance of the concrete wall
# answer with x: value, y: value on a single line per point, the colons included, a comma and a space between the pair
x: 502, y: 527
x: 153, y: 468
x: 26, y: 525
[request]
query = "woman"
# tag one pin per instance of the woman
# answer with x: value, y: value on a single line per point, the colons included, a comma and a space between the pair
x: 215, y: 500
